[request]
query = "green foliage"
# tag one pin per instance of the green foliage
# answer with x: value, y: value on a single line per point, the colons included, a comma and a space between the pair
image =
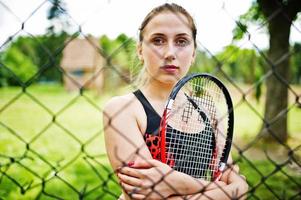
x: 43, y: 53
x: 58, y: 17
x: 202, y: 63
x: 253, y: 15
x: 278, y: 183
x: 121, y: 60
x: 241, y: 64
x: 49, y: 52
x: 16, y: 67
x: 239, y: 31
x: 105, y: 44
x: 296, y: 63
x: 27, y: 55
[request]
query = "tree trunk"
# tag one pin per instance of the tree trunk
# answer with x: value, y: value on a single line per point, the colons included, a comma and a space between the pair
x: 275, y: 127
x: 279, y: 15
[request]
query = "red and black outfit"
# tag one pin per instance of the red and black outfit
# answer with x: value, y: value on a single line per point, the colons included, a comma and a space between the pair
x: 151, y: 135
x: 193, y: 152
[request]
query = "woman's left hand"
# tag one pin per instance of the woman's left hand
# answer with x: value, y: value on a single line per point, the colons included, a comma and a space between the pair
x: 147, y: 179
x: 237, y: 182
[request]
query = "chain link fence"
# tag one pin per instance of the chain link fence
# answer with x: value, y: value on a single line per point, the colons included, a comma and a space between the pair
x: 52, y: 141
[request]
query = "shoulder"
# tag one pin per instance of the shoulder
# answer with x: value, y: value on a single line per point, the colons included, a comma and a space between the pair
x: 125, y: 108
x: 119, y: 103
x: 126, y: 104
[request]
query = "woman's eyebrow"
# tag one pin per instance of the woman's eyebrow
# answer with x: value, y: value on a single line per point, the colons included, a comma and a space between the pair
x: 177, y: 35
x: 183, y: 34
x: 157, y: 34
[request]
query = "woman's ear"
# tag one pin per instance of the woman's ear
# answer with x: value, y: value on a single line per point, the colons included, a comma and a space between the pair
x: 193, y: 57
x: 139, y: 51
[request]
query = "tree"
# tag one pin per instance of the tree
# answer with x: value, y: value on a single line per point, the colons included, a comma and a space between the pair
x: 20, y: 67
x: 120, y: 54
x: 242, y: 64
x: 50, y: 50
x: 279, y: 15
x: 57, y: 15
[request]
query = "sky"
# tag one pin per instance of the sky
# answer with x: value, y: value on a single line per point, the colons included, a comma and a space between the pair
x: 215, y: 19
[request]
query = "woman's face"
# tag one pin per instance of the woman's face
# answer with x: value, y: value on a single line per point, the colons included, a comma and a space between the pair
x: 167, y: 49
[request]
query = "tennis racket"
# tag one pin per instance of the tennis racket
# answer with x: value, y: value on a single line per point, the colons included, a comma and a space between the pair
x: 197, y: 127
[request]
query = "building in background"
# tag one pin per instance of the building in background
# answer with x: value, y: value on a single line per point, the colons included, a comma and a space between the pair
x: 83, y: 65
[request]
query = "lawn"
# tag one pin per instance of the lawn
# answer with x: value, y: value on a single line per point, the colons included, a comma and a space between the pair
x: 52, y: 147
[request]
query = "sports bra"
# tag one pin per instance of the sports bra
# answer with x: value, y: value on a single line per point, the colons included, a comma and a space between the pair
x: 151, y: 135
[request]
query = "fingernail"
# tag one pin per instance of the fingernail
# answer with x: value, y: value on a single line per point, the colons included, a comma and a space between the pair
x: 130, y: 164
x: 118, y: 169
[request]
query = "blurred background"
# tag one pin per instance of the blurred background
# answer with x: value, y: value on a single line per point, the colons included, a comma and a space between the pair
x: 61, y: 60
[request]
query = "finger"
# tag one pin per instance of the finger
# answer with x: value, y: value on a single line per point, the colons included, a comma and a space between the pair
x: 214, y: 185
x: 129, y: 188
x: 243, y: 177
x: 130, y: 172
x: 236, y: 168
x: 154, y: 162
x: 225, y: 175
x: 137, y: 196
x: 136, y: 173
x: 129, y: 180
x: 146, y: 163
x: 142, y: 163
x: 230, y: 169
x: 134, y: 190
x: 220, y: 183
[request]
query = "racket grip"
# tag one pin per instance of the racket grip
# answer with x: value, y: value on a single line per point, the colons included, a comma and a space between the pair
x: 218, y: 174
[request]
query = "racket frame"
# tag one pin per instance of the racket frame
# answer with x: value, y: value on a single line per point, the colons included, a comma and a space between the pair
x: 166, y: 113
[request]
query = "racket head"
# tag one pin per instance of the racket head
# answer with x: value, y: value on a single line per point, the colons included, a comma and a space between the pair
x: 197, y: 126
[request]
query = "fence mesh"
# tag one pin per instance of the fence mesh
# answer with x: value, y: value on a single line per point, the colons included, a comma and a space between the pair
x: 52, y: 142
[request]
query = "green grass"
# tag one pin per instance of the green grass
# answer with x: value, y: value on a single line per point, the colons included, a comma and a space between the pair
x: 66, y: 151
x: 64, y: 156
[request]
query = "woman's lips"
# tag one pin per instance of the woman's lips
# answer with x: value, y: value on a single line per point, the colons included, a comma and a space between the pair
x: 170, y: 68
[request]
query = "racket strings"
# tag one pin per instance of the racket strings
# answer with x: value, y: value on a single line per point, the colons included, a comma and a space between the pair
x: 191, y: 135
x: 213, y: 100
x: 190, y: 153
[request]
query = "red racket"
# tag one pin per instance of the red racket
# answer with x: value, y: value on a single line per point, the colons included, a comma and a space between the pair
x: 197, y: 127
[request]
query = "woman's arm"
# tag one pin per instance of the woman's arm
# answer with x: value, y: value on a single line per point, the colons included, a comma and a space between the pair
x: 152, y: 179
x: 148, y: 182
x: 123, y: 139
x: 236, y: 188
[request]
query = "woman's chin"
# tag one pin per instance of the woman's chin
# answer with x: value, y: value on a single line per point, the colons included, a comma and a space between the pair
x: 168, y: 80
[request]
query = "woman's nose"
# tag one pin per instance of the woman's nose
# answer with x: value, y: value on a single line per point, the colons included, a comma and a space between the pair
x: 170, y: 52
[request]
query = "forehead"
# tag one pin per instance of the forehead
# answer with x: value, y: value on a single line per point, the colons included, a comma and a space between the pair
x: 168, y: 23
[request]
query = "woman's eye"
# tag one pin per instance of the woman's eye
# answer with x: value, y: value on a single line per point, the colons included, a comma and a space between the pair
x: 182, y: 42
x: 158, y: 41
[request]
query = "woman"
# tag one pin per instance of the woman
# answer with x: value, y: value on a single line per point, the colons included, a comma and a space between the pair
x: 167, y: 45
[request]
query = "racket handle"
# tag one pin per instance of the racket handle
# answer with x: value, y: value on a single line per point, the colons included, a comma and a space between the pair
x: 218, y: 174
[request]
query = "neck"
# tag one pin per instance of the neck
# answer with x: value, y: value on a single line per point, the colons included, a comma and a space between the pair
x: 157, y: 90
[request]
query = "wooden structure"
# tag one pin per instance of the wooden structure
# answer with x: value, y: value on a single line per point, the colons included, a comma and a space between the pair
x: 83, y: 65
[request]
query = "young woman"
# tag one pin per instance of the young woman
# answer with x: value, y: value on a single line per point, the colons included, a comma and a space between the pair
x: 167, y: 45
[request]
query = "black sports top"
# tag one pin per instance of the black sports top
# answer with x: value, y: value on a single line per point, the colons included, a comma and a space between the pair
x: 151, y: 135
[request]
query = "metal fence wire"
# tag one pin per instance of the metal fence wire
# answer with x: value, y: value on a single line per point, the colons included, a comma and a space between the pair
x: 51, y: 141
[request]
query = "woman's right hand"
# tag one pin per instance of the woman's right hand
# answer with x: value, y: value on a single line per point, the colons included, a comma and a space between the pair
x: 149, y: 179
